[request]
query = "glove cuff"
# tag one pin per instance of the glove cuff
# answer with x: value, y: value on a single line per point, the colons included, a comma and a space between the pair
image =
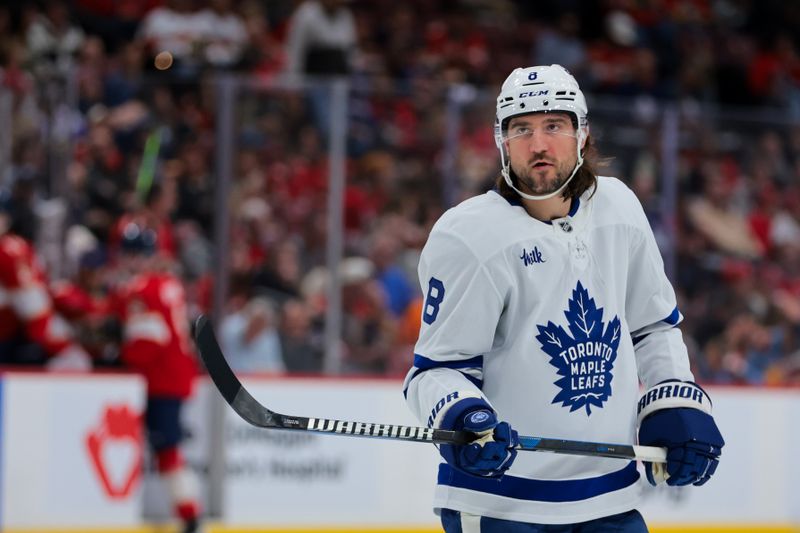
x: 452, y: 416
x: 672, y: 394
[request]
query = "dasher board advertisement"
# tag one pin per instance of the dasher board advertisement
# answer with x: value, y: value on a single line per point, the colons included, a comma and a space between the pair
x: 71, y: 450
x: 290, y: 477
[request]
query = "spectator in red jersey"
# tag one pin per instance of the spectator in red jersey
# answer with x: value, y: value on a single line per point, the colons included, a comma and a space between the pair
x: 31, y: 331
x: 151, y: 305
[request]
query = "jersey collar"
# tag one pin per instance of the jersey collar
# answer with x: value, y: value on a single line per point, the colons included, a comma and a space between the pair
x: 516, y: 202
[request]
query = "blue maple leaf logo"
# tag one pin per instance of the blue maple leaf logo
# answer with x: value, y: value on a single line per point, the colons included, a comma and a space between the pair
x: 585, y: 355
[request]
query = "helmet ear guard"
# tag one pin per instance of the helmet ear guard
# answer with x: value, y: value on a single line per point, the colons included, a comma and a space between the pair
x: 498, y: 133
x: 583, y: 134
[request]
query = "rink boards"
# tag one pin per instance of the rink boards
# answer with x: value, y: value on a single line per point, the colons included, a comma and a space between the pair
x: 69, y: 450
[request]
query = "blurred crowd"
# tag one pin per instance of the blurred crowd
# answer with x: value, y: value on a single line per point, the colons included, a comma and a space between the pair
x: 111, y: 110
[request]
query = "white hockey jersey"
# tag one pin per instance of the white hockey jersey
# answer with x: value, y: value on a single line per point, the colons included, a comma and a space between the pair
x: 554, y: 324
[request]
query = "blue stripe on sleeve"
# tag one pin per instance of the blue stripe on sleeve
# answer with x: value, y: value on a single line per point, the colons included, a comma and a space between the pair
x: 475, y: 381
x: 423, y: 363
x: 673, y: 317
x: 570, y: 490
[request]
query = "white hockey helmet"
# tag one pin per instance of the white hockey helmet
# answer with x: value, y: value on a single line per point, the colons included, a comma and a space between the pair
x: 540, y: 89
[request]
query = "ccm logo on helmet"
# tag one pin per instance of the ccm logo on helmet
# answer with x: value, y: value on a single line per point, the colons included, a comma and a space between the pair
x: 533, y: 93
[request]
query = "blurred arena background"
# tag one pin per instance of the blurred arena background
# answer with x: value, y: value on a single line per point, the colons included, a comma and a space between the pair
x: 291, y: 164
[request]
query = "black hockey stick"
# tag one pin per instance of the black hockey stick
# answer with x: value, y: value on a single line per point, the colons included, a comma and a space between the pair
x: 256, y: 414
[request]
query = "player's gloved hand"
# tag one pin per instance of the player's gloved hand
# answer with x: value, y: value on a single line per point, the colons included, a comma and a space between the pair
x: 491, y: 454
x: 677, y: 416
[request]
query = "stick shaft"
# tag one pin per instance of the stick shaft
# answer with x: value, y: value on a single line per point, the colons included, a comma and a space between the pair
x: 258, y: 415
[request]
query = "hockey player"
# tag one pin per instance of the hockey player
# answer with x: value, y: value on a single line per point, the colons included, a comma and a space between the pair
x: 31, y: 331
x: 151, y: 305
x: 546, y: 305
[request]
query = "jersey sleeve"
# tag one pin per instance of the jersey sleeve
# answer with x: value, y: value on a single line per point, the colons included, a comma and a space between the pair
x: 460, y: 312
x: 652, y: 309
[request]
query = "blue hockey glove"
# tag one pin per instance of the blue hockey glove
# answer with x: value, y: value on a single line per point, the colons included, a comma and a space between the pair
x: 489, y: 456
x: 677, y: 416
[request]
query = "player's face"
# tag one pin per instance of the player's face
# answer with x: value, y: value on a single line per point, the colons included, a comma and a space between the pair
x: 541, y: 151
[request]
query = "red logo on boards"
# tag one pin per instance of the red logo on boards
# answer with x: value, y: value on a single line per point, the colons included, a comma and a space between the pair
x: 115, y: 450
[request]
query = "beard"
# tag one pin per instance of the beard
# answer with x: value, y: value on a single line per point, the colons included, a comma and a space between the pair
x: 542, y: 181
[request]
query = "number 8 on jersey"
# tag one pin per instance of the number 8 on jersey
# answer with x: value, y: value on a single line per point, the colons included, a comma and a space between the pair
x: 433, y: 300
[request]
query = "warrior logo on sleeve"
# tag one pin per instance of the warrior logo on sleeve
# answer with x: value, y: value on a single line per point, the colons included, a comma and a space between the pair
x: 584, y: 355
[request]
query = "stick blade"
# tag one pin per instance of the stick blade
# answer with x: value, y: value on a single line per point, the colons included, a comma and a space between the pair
x: 212, y: 356
x: 229, y: 385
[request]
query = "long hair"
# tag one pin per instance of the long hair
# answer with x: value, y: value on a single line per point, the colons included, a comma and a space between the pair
x: 584, y: 179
